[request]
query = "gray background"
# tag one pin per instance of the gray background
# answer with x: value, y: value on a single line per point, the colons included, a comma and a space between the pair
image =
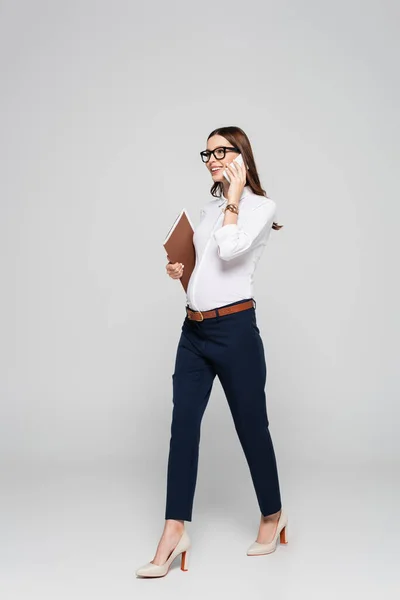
x: 104, y: 109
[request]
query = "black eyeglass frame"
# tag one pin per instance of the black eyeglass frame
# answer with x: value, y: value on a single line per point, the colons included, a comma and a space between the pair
x: 225, y: 148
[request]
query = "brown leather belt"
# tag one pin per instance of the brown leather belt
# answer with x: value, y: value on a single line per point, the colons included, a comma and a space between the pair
x: 197, y: 315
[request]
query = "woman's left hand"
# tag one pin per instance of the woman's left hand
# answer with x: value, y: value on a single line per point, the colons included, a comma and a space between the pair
x: 237, y: 174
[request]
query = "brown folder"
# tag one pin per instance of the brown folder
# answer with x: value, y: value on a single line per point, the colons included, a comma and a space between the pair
x: 179, y: 245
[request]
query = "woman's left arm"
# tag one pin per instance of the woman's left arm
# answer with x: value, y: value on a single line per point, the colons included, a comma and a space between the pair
x: 234, y: 240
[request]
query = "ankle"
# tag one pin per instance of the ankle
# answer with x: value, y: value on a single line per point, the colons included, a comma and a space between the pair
x: 173, y: 525
x: 272, y: 517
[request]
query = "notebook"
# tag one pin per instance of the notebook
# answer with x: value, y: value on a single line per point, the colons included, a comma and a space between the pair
x: 179, y: 245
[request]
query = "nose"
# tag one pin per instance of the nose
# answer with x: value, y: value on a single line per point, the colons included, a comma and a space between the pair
x: 215, y: 164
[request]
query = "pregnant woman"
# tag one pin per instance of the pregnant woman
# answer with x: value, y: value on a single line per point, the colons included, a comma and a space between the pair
x: 220, y: 337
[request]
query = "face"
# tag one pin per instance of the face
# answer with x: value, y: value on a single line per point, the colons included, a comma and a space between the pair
x: 216, y: 166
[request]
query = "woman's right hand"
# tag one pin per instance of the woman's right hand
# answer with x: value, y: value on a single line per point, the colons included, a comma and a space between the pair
x: 175, y: 270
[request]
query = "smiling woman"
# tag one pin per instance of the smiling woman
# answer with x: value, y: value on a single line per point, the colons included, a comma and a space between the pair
x: 219, y: 154
x: 220, y: 337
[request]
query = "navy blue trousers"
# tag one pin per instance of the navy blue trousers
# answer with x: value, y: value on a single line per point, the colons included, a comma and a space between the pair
x: 230, y: 347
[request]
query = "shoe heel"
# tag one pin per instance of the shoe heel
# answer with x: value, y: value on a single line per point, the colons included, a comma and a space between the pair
x: 185, y: 560
x: 282, y: 538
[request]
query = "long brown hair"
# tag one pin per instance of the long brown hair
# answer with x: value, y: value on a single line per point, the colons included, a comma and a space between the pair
x: 238, y: 138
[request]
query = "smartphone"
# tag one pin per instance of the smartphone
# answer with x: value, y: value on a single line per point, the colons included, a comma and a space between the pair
x: 239, y: 160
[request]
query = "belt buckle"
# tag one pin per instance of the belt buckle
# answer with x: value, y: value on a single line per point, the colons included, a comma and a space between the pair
x: 195, y: 311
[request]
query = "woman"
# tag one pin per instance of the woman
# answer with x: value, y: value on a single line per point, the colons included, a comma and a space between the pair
x: 220, y: 337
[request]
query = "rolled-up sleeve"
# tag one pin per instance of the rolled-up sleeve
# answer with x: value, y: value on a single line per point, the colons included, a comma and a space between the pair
x: 235, y: 239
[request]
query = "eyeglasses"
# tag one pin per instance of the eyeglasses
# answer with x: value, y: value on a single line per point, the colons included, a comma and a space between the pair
x: 219, y: 152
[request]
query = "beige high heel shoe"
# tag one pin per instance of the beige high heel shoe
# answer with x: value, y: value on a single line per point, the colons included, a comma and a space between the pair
x: 256, y: 548
x: 152, y: 570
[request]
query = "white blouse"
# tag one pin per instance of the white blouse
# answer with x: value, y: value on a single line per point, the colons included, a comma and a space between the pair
x: 227, y: 255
